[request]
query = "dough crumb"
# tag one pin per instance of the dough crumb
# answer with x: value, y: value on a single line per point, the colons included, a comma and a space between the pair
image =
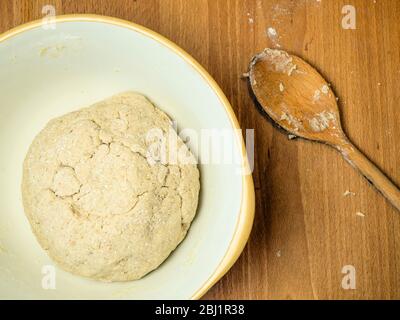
x: 249, y: 18
x: 360, y: 214
x: 278, y: 253
x: 271, y: 32
x: 325, y: 89
x: 281, y: 87
x: 348, y: 193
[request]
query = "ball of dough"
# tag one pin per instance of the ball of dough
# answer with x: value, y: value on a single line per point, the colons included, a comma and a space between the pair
x: 101, y: 196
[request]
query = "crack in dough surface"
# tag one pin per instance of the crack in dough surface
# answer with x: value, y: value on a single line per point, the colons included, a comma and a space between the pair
x: 95, y: 201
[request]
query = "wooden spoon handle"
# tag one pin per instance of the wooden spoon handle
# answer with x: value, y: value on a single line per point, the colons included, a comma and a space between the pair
x: 371, y: 172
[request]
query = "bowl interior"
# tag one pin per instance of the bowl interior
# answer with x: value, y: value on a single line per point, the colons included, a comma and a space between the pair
x: 48, y: 72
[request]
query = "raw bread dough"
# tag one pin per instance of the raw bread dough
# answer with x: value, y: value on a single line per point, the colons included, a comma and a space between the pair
x: 99, y: 203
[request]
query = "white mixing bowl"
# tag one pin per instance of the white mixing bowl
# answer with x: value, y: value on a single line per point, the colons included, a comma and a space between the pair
x: 46, y: 72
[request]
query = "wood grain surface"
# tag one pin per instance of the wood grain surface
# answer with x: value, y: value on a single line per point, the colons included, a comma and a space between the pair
x: 305, y: 229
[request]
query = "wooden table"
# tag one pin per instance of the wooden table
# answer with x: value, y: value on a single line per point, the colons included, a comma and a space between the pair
x: 305, y: 230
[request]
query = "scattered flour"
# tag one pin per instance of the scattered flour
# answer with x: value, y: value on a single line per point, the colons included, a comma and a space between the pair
x: 279, y: 12
x: 348, y: 193
x: 322, y: 121
x: 281, y: 87
x: 249, y: 18
x: 280, y: 60
x: 325, y: 89
x: 317, y: 95
x: 291, y: 120
x: 272, y: 34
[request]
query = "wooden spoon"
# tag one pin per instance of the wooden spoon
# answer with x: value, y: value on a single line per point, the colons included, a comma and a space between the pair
x: 297, y: 98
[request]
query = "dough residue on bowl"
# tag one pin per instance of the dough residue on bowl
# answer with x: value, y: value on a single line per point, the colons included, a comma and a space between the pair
x: 99, y: 203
